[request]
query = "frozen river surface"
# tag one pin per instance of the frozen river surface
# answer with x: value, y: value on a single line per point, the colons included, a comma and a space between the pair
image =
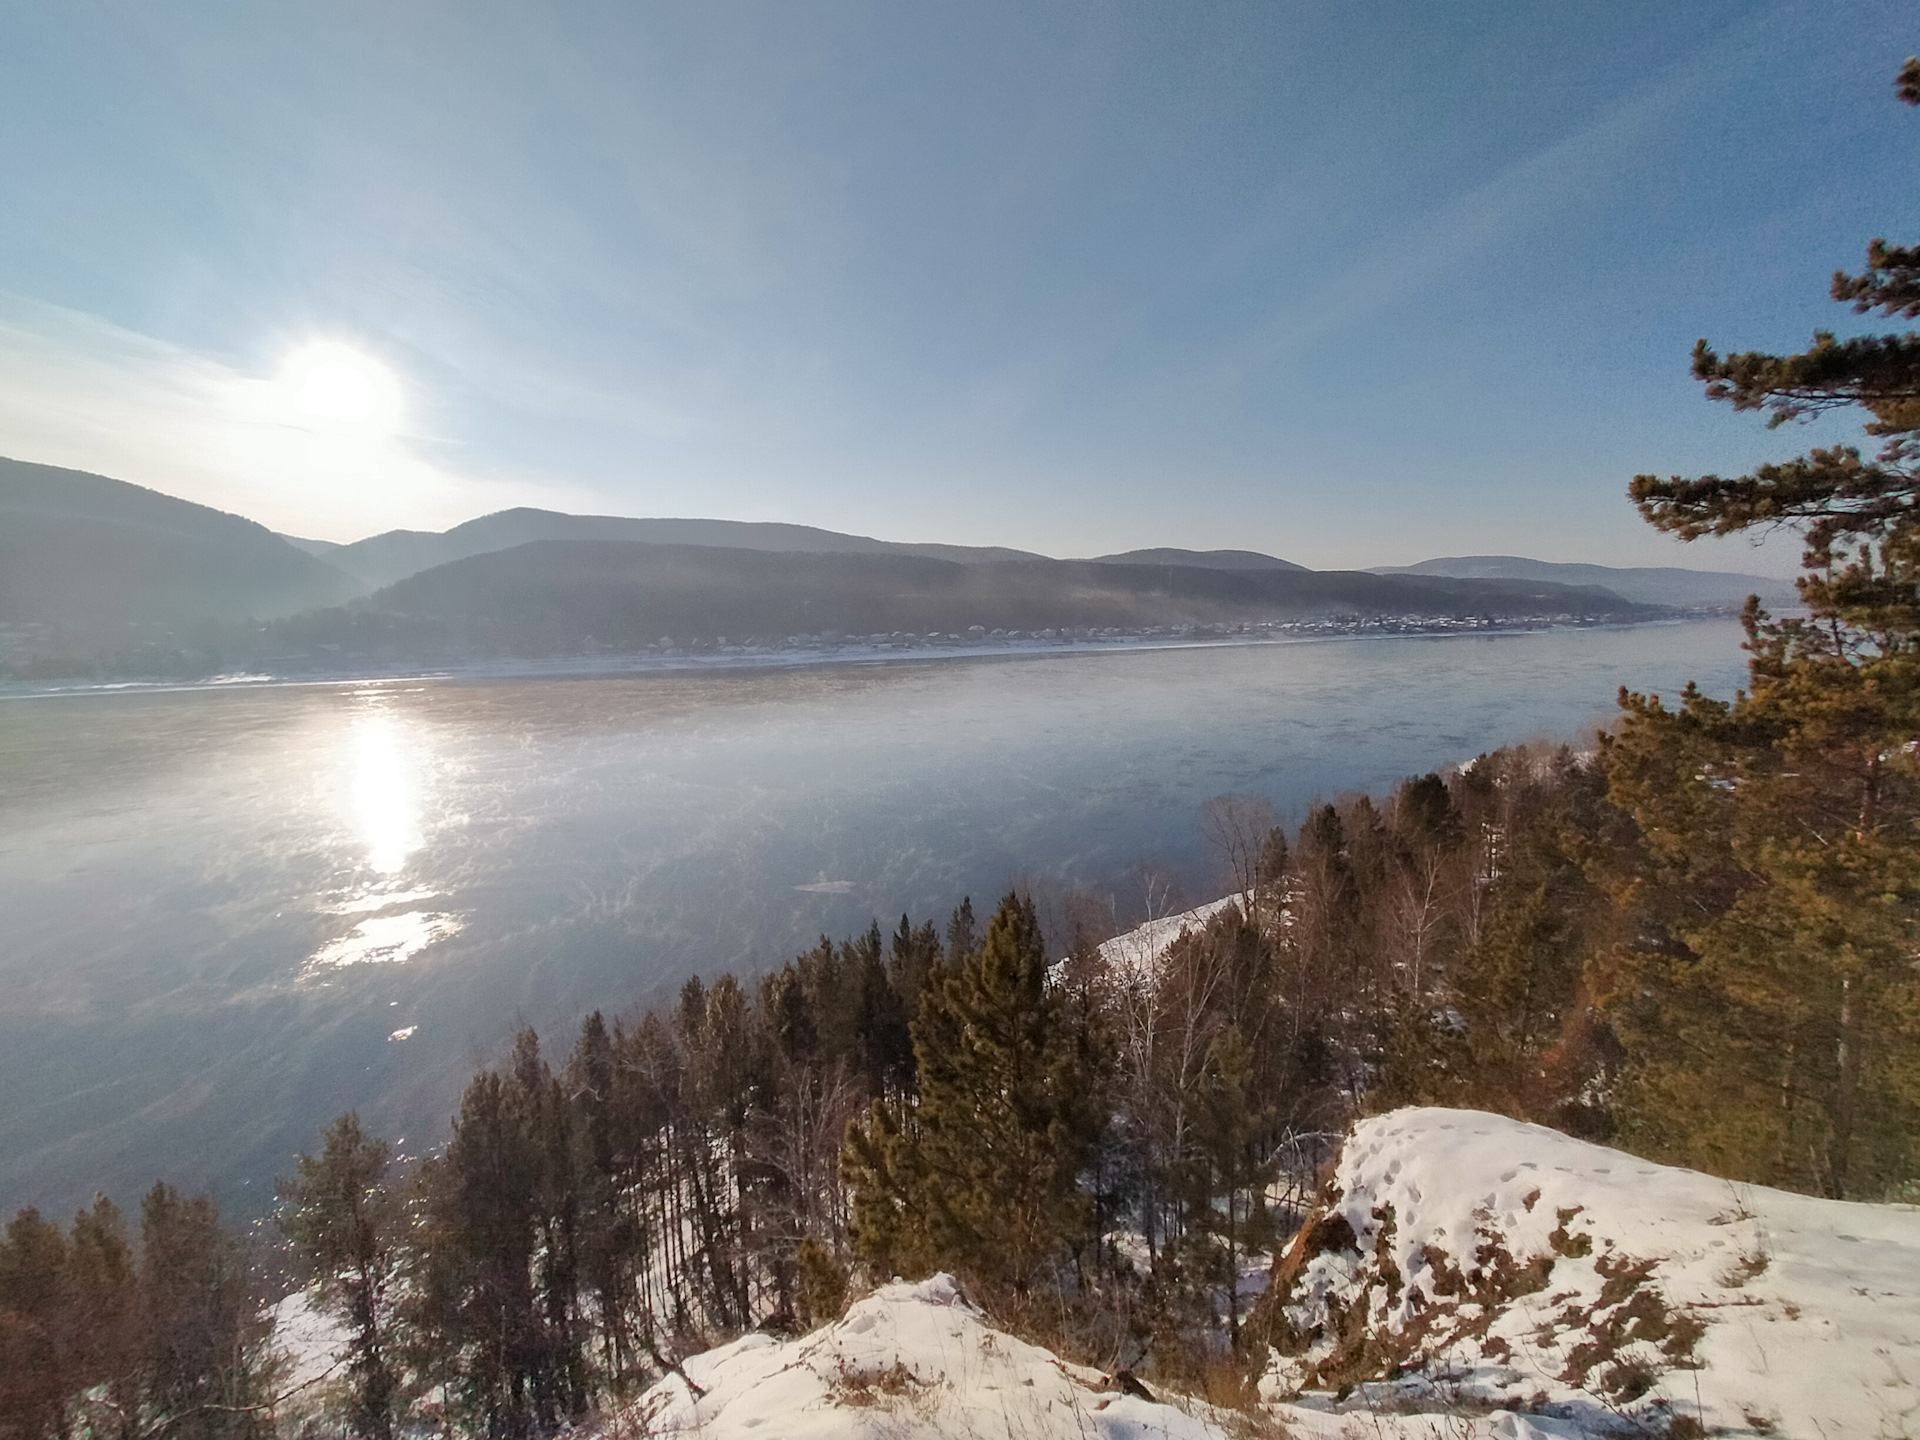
x: 228, y: 914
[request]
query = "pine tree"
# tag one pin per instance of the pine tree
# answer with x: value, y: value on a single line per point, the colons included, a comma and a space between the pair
x: 340, y: 1216
x: 1770, y: 1003
x: 1230, y: 1133
x: 979, y: 1175
x: 37, y: 1369
x: 200, y: 1327
x: 960, y: 937
x: 916, y: 955
x: 484, y: 1229
x: 610, y: 1235
x: 882, y: 1037
x: 101, y: 1286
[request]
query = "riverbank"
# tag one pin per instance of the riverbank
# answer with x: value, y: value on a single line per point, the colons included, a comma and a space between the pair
x: 804, y: 651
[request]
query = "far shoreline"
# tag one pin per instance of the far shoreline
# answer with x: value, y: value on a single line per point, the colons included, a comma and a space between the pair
x: 749, y: 659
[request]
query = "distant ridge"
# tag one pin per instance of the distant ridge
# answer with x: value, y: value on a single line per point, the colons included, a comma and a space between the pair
x: 104, y: 573
x: 92, y: 554
x: 381, y: 560
x: 1200, y: 559
x: 1648, y: 585
x: 557, y: 596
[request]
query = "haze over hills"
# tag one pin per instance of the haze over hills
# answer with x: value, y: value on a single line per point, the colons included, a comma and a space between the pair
x: 90, y: 553
x: 110, y: 573
x: 1648, y: 585
x: 553, y: 595
x: 1203, y: 559
x: 382, y: 559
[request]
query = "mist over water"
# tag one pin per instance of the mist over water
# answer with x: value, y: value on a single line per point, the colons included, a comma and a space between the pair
x: 228, y: 914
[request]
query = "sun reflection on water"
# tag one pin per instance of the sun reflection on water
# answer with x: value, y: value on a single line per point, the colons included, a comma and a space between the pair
x: 385, y: 799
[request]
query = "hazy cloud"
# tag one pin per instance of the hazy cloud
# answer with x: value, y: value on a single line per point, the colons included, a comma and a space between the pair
x: 79, y: 392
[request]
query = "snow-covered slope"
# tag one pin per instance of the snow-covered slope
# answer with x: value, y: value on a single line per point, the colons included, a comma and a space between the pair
x: 1135, y: 954
x: 916, y: 1362
x: 309, y: 1349
x: 1483, y: 1260
x: 1469, y: 1278
x: 908, y: 1361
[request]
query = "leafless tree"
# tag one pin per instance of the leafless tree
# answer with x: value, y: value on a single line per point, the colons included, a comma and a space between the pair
x: 1237, y: 828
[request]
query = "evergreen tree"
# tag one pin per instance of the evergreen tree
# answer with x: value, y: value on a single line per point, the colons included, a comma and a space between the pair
x: 916, y: 954
x: 883, y: 1039
x: 101, y: 1287
x: 1770, y: 1005
x: 611, y: 1238
x: 979, y: 1176
x: 1230, y: 1136
x: 484, y: 1235
x: 200, y: 1328
x: 37, y: 1369
x: 339, y: 1214
x: 960, y: 938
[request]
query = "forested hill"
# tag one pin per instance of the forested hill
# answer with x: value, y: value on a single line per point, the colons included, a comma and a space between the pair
x: 1205, y: 559
x: 395, y: 554
x: 558, y: 593
x: 103, y: 578
x: 92, y: 554
x: 1648, y: 584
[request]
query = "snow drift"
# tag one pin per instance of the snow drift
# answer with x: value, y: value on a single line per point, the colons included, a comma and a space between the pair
x: 908, y: 1361
x: 1463, y: 1259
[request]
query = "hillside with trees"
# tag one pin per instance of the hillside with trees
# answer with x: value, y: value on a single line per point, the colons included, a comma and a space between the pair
x: 392, y: 555
x: 107, y: 580
x: 1716, y: 590
x: 553, y: 595
x: 90, y: 555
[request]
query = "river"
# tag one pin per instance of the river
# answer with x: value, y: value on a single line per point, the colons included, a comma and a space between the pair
x: 227, y: 914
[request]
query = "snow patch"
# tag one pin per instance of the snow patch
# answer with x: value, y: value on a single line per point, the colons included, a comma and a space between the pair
x: 311, y: 1346
x: 1136, y: 954
x: 1468, y: 1257
x: 916, y: 1361
x: 908, y: 1361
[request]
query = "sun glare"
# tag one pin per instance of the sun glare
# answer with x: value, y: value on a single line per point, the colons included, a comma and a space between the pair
x: 337, y: 385
x: 384, y: 796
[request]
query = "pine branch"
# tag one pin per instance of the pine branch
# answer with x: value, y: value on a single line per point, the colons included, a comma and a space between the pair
x: 1874, y: 371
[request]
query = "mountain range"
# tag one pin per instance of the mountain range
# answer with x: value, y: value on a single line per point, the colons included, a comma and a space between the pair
x: 382, y: 559
x: 97, y: 562
x: 1201, y: 559
x: 1649, y: 585
x: 549, y: 595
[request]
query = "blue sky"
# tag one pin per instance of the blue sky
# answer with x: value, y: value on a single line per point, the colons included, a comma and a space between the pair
x: 1351, y: 283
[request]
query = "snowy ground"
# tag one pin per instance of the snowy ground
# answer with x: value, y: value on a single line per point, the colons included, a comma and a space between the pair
x: 1496, y: 1262
x: 916, y: 1362
x: 1135, y: 954
x: 907, y: 1361
x: 1472, y: 1278
x: 1475, y: 1279
x: 1133, y: 957
x: 311, y: 1350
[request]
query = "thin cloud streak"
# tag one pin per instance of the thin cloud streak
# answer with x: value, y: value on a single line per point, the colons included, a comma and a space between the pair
x: 1525, y: 195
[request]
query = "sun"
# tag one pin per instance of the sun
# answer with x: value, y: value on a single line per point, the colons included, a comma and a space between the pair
x: 336, y: 385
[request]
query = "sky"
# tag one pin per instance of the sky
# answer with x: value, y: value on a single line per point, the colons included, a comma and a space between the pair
x: 1350, y: 283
